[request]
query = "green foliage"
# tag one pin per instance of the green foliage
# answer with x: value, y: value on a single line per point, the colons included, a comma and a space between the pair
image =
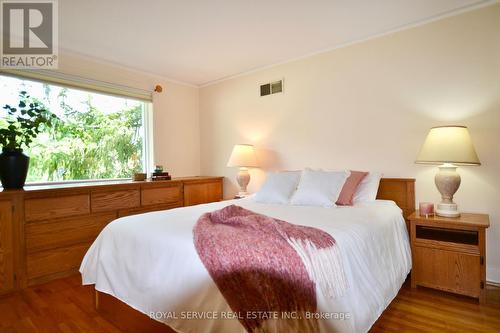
x: 23, y: 124
x: 88, y: 144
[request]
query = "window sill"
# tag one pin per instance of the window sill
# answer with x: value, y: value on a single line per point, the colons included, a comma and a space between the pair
x: 76, y: 182
x: 33, y: 187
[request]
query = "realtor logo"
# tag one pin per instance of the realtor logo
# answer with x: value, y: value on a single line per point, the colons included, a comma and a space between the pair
x: 29, y: 34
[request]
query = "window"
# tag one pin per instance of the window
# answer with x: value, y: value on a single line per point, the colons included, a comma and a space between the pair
x: 96, y: 136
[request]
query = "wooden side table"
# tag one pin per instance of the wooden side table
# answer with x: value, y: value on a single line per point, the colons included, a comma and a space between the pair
x: 450, y: 253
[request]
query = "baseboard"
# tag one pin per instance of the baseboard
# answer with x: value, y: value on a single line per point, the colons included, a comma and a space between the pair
x: 494, y: 284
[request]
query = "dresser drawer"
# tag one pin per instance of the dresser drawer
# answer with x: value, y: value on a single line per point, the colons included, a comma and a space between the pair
x: 161, y: 195
x: 65, y: 232
x: 55, y: 207
x: 55, y: 263
x: 200, y: 193
x: 114, y: 200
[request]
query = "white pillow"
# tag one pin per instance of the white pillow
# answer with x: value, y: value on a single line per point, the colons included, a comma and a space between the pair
x: 278, y: 188
x: 319, y: 188
x: 368, y: 188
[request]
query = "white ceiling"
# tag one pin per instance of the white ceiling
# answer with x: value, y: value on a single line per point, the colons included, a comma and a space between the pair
x: 200, y: 41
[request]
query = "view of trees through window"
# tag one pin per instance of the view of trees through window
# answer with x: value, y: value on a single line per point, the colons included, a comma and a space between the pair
x: 96, y: 136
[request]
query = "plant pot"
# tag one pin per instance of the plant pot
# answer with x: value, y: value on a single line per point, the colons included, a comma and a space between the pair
x: 13, y: 168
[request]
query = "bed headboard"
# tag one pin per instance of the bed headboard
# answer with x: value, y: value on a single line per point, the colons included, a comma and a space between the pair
x: 399, y: 190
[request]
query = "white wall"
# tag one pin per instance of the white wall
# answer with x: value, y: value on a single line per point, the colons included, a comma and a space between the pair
x: 369, y: 106
x: 176, y: 111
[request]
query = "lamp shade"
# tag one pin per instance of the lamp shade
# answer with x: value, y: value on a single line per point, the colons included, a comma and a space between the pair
x: 242, y: 156
x: 448, y: 144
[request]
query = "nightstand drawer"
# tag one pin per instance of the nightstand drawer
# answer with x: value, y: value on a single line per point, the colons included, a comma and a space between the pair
x: 447, y: 270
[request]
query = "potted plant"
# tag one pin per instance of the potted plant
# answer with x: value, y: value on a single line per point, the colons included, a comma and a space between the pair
x: 17, y: 130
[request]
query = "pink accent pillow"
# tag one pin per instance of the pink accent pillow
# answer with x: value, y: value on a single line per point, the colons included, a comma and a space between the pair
x: 350, y: 187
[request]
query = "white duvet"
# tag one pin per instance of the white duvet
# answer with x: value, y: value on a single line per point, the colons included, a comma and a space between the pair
x: 149, y: 262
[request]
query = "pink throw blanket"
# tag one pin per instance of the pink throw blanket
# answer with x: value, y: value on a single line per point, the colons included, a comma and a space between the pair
x: 261, y: 264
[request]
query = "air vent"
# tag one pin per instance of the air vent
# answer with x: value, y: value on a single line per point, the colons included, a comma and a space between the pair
x: 271, y: 88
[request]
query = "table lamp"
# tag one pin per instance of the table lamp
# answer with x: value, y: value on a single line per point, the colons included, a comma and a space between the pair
x: 448, y: 146
x: 243, y: 156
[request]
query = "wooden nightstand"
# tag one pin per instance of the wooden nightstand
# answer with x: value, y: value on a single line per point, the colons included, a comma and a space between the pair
x: 450, y: 253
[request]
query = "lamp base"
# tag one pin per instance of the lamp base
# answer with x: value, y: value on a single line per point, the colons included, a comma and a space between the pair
x: 243, y: 179
x: 447, y: 210
x: 447, y: 181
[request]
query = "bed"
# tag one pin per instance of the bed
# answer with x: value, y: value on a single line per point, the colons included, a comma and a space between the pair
x: 146, y: 265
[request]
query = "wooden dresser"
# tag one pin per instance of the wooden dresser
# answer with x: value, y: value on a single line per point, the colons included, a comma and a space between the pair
x: 450, y: 253
x: 46, y: 230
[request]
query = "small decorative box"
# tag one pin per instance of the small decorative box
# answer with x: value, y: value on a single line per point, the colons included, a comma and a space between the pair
x: 139, y: 176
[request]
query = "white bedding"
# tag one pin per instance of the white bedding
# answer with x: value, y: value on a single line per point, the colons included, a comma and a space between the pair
x: 149, y: 262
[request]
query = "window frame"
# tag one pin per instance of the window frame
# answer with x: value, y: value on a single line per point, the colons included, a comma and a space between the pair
x: 103, y: 88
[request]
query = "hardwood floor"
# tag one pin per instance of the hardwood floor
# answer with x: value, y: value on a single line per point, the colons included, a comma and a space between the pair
x: 64, y: 306
x: 60, y: 306
x: 427, y: 310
